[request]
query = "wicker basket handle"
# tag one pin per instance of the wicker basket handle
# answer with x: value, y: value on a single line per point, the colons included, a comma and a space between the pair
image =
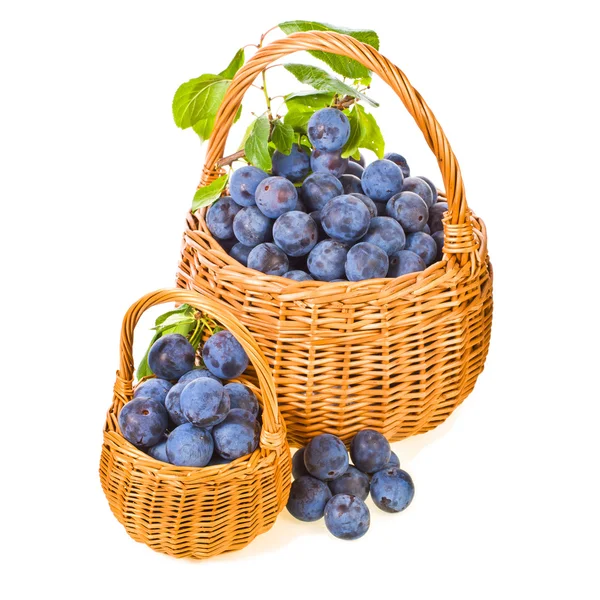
x: 273, y: 434
x: 345, y: 45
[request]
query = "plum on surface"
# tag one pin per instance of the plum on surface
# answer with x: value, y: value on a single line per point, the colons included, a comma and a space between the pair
x: 370, y: 451
x: 353, y: 482
x: 347, y: 517
x: 325, y: 457
x: 392, y: 490
x: 308, y: 498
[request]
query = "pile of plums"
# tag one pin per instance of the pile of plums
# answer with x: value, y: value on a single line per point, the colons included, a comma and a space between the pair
x: 326, y: 484
x: 188, y: 416
x: 322, y: 217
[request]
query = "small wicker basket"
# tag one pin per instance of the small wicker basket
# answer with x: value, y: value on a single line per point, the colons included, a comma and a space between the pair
x: 192, y: 512
x: 396, y: 355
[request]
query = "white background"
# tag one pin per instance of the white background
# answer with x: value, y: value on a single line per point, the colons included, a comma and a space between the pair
x: 95, y: 182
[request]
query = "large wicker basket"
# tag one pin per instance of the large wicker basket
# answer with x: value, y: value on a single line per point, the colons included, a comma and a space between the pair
x: 396, y: 355
x: 191, y: 512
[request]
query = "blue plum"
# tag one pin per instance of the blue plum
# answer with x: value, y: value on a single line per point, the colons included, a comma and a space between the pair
x: 219, y: 218
x: 251, y: 228
x: 370, y: 451
x: 386, y: 233
x: 269, y: 259
x: 366, y: 261
x: 298, y: 275
x: 330, y: 163
x: 351, y: 184
x: 347, y: 517
x: 189, y: 446
x: 345, y: 218
x: 298, y: 467
x: 353, y: 482
x: 143, y: 422
x: 308, y: 498
x: 300, y: 205
x: 328, y: 129
x: 327, y: 260
x: 204, y: 402
x: 434, y: 193
x: 419, y: 187
x: 171, y: 356
x: 294, y: 166
x: 354, y: 168
x: 243, y: 184
x: 319, y: 188
x: 410, y: 210
x: 275, y: 196
x: 325, y: 457
x: 426, y: 229
x: 196, y: 374
x: 224, y: 356
x: 393, y: 462
x: 240, y: 253
x: 436, y: 214
x: 154, y: 388
x: 400, y: 161
x: 372, y: 207
x: 392, y: 490
x: 295, y: 233
x: 381, y: 180
x: 422, y: 245
x: 159, y: 451
x: 438, y: 237
x: 241, y: 396
x: 173, y: 404
x: 237, y: 436
x: 404, y: 262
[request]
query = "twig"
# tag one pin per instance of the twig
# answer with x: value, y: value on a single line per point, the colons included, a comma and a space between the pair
x: 227, y: 160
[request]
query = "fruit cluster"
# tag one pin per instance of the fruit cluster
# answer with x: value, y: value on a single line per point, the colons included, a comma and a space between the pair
x: 345, y: 221
x: 186, y: 415
x: 326, y: 484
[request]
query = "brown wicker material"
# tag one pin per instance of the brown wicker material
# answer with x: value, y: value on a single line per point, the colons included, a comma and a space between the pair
x: 196, y: 512
x: 397, y: 355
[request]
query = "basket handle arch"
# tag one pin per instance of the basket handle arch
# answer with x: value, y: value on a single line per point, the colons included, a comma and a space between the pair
x: 272, y: 433
x: 460, y: 228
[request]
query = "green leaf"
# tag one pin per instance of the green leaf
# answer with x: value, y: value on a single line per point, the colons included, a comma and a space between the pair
x: 298, y: 120
x: 372, y: 139
x: 282, y: 136
x: 357, y: 131
x: 184, y: 308
x: 257, y: 144
x: 347, y: 67
x: 308, y: 100
x: 322, y: 80
x: 234, y: 66
x: 144, y: 369
x: 209, y: 193
x: 197, y: 101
